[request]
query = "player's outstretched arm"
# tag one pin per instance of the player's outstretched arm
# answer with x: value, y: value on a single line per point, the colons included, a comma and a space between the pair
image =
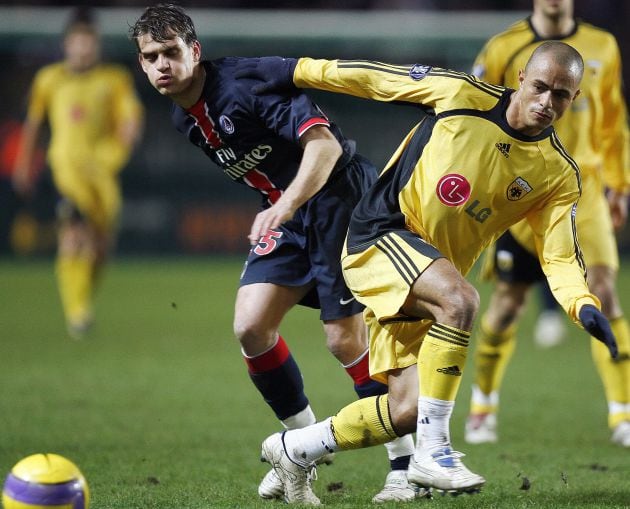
x: 275, y: 73
x: 597, y: 325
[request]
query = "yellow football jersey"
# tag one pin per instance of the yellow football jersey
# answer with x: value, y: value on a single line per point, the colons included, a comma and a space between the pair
x: 595, y: 129
x: 463, y: 175
x: 84, y: 111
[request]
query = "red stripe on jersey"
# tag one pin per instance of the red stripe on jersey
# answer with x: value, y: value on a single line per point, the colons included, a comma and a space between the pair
x: 199, y: 112
x: 310, y: 123
x: 269, y: 360
x: 258, y: 180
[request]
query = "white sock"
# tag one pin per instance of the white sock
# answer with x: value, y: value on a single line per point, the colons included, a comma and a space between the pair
x: 434, y: 416
x: 306, y: 445
x: 300, y: 420
x: 482, y: 399
x: 401, y: 446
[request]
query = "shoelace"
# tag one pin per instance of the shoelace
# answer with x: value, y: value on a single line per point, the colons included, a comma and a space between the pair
x: 448, y: 458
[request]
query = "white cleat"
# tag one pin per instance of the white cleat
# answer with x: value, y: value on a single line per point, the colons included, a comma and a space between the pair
x: 443, y: 470
x: 621, y: 434
x: 271, y: 486
x: 550, y: 329
x: 296, y: 479
x: 481, y: 429
x: 398, y: 489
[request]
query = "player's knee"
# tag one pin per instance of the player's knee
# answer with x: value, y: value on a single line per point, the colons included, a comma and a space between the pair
x: 253, y: 336
x: 73, y: 239
x: 460, y: 304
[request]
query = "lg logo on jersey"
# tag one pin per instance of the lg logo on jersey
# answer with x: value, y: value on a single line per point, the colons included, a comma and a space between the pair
x: 453, y: 190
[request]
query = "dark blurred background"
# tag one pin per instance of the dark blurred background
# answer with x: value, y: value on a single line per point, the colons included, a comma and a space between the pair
x: 176, y: 200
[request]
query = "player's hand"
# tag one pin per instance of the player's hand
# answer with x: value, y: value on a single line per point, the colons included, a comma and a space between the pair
x: 618, y: 205
x: 275, y: 73
x: 269, y: 219
x: 22, y: 183
x: 597, y: 325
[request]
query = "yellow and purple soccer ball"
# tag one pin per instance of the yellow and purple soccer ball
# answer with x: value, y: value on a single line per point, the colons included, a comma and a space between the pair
x: 45, y: 481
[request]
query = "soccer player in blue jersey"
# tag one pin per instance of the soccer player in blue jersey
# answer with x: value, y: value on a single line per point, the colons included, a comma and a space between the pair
x: 309, y: 178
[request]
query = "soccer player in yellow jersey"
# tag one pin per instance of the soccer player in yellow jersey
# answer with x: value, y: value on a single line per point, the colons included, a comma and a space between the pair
x: 483, y: 158
x: 594, y: 131
x: 95, y: 118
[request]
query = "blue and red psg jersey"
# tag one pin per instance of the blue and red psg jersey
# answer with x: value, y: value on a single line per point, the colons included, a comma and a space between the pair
x: 254, y: 139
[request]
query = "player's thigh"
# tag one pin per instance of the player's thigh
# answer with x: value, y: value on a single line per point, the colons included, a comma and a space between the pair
x: 381, y: 275
x: 595, y: 230
x: 513, y: 263
x: 259, y: 309
x: 106, y: 208
x: 393, y: 345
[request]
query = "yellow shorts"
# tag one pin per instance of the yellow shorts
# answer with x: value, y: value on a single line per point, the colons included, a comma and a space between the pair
x: 97, y: 197
x: 380, y: 277
x: 593, y: 223
x: 594, y: 226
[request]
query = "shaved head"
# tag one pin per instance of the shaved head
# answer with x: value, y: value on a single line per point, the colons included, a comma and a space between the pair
x: 560, y: 54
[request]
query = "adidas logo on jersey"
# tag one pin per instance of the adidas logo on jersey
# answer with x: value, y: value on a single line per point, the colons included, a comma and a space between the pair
x: 504, y: 148
x: 450, y: 370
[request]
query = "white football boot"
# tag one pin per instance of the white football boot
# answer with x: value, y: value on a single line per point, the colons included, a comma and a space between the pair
x: 621, y: 434
x: 443, y: 470
x: 296, y: 479
x: 481, y: 429
x: 271, y: 486
x: 398, y: 489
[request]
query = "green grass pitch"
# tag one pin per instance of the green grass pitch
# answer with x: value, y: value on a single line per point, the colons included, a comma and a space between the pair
x: 157, y: 410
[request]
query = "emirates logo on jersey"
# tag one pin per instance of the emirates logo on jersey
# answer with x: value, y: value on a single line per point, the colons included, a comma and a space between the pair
x: 453, y: 189
x: 517, y: 189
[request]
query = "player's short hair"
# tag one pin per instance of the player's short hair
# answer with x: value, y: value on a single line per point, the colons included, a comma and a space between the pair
x: 81, y: 19
x: 563, y: 54
x: 161, y: 22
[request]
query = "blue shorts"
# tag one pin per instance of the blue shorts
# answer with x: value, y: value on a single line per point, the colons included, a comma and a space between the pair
x: 515, y: 264
x: 307, y: 249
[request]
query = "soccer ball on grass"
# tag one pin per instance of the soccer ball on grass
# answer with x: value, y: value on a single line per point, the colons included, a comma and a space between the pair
x: 44, y: 481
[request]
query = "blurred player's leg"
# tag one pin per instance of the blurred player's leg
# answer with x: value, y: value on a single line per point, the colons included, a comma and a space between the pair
x: 495, y: 346
x: 87, y: 217
x: 73, y: 268
x: 551, y: 325
x: 615, y: 374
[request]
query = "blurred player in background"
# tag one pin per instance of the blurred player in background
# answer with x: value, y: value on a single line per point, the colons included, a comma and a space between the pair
x: 95, y: 119
x: 594, y: 131
x: 551, y: 326
x: 309, y: 178
x: 483, y: 158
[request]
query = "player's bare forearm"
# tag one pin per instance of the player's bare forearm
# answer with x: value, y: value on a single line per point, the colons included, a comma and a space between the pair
x: 321, y: 152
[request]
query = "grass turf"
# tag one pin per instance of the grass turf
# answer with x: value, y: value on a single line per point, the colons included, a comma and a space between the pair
x: 157, y: 410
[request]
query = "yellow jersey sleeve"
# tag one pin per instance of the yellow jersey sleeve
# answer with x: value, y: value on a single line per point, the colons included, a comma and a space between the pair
x: 40, y: 93
x: 434, y: 88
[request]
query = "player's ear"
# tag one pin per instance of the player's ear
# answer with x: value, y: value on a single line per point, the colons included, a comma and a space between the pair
x: 196, y: 49
x: 577, y: 92
x: 521, y: 77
